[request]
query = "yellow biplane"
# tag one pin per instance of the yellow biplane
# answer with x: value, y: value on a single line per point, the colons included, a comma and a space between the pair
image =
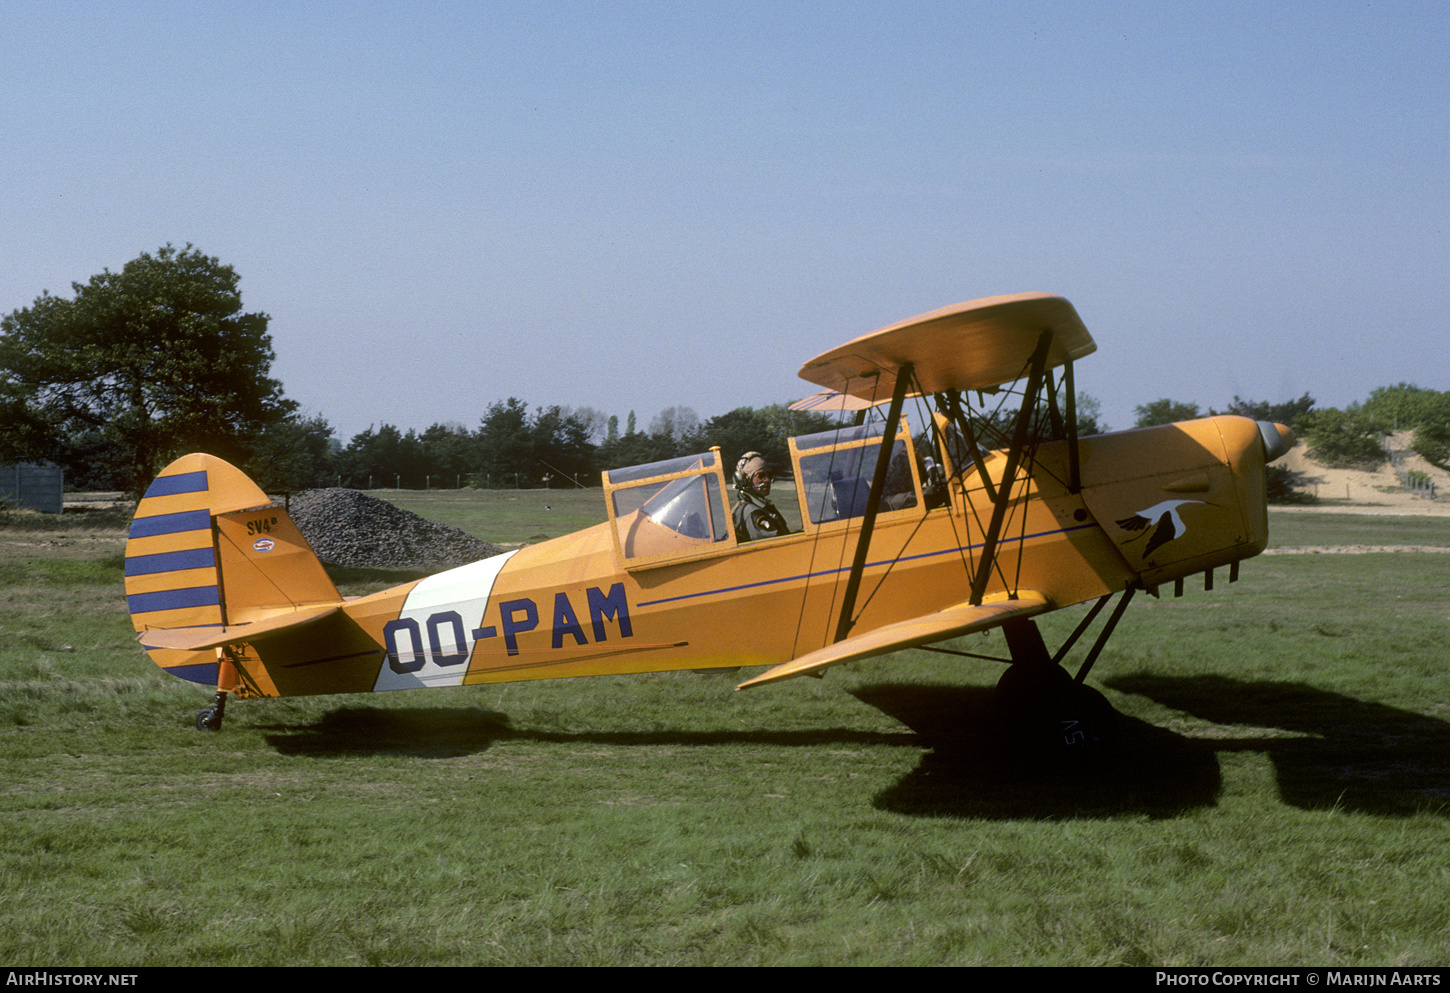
x: 988, y: 512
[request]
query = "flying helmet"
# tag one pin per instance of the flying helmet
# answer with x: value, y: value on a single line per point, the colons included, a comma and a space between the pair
x: 752, y: 474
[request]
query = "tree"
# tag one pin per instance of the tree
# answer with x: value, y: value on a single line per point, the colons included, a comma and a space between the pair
x: 1343, y: 439
x: 675, y: 423
x: 449, y: 452
x: 1431, y: 439
x: 1089, y: 415
x: 1163, y: 411
x: 1405, y: 405
x: 996, y: 422
x: 594, y: 422
x: 382, y: 458
x: 293, y: 455
x: 155, y: 360
x: 1431, y: 442
x: 763, y: 430
x: 561, y: 447
x: 742, y: 430
x: 505, y: 444
x: 1287, y: 413
x: 1281, y: 485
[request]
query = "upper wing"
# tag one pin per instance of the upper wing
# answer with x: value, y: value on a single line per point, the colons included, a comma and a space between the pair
x: 959, y: 619
x: 968, y: 346
x: 831, y: 401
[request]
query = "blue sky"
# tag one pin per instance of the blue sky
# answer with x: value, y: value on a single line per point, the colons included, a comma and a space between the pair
x: 632, y: 206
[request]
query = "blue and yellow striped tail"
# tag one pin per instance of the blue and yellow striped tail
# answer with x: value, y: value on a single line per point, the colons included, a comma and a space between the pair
x: 181, y: 561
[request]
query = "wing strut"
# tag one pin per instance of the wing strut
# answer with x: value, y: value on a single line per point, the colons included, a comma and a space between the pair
x: 873, y: 502
x: 1074, y: 470
x: 1009, y: 473
x: 951, y: 401
x: 1066, y: 426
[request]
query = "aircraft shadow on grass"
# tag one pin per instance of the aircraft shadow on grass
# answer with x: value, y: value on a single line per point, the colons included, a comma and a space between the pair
x: 1339, y: 753
x: 1347, y: 754
x: 419, y: 732
x: 970, y: 767
x: 441, y: 732
x: 980, y: 765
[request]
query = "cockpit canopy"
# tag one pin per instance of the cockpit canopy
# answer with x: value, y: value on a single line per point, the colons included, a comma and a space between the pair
x: 679, y: 509
x: 835, y: 470
x: 669, y: 508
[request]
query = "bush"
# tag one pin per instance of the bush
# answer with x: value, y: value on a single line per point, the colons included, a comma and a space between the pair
x: 1432, y: 443
x: 1343, y: 439
x: 1281, y: 485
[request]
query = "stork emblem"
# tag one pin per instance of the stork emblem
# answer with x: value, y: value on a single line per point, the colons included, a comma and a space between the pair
x: 1161, y: 519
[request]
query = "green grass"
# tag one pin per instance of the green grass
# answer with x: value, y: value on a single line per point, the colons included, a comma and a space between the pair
x: 1277, y: 795
x: 1288, y: 528
x: 505, y: 516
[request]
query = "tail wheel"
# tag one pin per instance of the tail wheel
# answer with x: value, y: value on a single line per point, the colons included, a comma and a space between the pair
x: 210, y: 718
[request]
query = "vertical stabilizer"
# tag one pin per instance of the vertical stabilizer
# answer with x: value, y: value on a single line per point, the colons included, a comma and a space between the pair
x: 207, y: 549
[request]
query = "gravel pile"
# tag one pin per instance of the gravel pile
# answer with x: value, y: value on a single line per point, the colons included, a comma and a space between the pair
x: 349, y: 528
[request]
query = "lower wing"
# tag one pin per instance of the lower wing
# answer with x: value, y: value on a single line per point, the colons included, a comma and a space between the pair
x: 960, y: 619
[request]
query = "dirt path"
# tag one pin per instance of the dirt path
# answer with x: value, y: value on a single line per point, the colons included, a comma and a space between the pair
x: 1351, y: 491
x: 1352, y: 549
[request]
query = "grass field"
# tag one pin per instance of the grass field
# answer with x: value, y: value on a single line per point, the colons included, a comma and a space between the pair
x: 1278, y: 793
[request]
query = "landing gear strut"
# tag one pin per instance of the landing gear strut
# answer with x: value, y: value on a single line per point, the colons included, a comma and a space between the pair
x: 210, y: 718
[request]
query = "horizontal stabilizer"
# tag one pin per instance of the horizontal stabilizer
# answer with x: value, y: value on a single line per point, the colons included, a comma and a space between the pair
x: 200, y: 638
x: 954, y: 621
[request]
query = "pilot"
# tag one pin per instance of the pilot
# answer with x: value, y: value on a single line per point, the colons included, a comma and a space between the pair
x: 755, y: 515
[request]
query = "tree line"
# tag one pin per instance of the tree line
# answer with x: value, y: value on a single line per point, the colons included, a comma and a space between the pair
x: 142, y: 365
x: 160, y: 359
x: 516, y: 446
x: 1349, y: 438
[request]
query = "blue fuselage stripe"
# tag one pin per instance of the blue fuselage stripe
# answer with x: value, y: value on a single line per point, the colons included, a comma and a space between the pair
x: 807, y: 576
x: 201, y: 672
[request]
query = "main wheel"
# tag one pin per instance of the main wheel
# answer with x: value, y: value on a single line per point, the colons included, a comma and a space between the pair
x: 1025, y: 686
x: 1085, y: 719
x: 1052, y: 711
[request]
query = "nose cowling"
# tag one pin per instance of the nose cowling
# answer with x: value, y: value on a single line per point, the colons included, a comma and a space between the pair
x: 1278, y: 439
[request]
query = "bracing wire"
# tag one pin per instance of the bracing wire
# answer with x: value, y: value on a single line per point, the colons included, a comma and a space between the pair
x: 815, y: 546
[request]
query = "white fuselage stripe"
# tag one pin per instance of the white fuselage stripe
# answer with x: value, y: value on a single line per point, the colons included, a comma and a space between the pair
x: 464, y: 590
